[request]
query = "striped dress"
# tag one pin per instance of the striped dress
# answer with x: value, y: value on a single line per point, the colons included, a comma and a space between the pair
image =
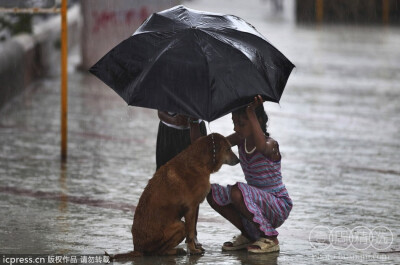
x: 265, y: 195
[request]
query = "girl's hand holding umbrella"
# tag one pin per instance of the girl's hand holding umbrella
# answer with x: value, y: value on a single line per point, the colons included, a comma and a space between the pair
x: 258, y: 100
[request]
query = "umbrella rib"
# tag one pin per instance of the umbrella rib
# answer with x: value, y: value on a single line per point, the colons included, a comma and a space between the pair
x: 149, y: 66
x: 143, y: 75
x: 173, y: 20
x: 251, y: 29
x: 142, y: 31
x: 208, y: 80
x: 247, y: 58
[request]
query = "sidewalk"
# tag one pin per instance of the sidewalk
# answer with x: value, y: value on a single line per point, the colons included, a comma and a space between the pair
x: 338, y: 126
x: 26, y: 57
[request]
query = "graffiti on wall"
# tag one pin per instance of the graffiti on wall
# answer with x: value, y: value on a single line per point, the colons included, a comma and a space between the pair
x: 106, y: 18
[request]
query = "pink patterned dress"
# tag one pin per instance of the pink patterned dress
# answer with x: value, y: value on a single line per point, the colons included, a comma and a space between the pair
x: 264, y: 194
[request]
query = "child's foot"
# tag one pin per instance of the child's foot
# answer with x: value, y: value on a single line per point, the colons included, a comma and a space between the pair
x: 237, y: 243
x: 264, y: 245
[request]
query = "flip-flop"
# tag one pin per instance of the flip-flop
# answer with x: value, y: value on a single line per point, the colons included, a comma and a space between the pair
x: 265, y: 246
x: 237, y: 242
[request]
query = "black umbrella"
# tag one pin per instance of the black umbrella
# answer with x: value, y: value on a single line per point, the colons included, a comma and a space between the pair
x: 196, y: 63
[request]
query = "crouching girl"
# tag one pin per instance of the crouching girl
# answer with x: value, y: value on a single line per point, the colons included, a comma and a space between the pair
x: 262, y: 204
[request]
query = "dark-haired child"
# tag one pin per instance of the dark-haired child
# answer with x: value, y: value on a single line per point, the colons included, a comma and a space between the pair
x: 262, y: 204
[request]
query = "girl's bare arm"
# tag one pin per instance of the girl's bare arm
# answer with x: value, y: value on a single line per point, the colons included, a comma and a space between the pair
x: 234, y: 139
x: 258, y: 134
x: 268, y: 147
x: 179, y: 120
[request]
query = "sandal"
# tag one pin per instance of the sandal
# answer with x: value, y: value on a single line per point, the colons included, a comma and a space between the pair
x: 237, y: 242
x: 264, y: 245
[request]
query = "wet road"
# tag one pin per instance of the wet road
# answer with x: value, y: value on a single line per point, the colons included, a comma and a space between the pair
x: 338, y: 126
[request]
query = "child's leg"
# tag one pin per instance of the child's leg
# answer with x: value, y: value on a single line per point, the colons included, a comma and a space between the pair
x: 229, y: 212
x: 238, y: 202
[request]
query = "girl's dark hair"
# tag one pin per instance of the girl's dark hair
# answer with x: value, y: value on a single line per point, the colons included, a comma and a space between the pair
x: 261, y: 115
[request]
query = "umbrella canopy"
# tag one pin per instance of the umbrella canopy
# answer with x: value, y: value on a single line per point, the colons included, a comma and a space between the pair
x: 196, y: 63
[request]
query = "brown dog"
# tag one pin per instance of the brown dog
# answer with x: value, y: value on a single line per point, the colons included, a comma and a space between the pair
x: 175, y: 191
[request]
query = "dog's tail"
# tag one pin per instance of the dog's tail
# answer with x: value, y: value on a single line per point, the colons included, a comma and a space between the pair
x: 128, y: 255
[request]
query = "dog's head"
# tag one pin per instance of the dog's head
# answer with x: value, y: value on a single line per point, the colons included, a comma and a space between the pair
x: 221, y: 152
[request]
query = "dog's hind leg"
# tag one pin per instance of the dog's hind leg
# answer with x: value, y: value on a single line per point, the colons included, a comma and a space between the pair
x: 173, y: 235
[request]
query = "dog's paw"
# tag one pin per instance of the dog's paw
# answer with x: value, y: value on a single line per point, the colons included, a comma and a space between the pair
x: 201, y: 248
x: 181, y: 252
x: 198, y: 245
x: 196, y: 251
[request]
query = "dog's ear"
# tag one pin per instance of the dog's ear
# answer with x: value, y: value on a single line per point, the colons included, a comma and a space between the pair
x: 217, y: 142
x: 205, y: 142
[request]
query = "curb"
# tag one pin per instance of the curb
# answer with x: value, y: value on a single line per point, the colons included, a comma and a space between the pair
x: 26, y: 57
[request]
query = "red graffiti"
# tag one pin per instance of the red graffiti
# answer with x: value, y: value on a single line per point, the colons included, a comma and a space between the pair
x: 106, y: 18
x: 130, y: 16
x: 102, y: 19
x: 144, y: 13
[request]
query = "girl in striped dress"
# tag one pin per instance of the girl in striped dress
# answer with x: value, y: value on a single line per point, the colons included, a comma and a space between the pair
x: 262, y: 204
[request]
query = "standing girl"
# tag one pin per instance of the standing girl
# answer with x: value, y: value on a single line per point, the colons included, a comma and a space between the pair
x: 262, y: 204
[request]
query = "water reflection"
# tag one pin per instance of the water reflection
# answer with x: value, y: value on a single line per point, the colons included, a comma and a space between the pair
x: 63, y: 216
x: 63, y: 206
x: 231, y: 258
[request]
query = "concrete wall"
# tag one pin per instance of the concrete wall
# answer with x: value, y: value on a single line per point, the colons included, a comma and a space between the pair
x: 106, y: 24
x: 27, y: 3
x: 16, y: 57
x: 26, y: 57
x: 348, y: 12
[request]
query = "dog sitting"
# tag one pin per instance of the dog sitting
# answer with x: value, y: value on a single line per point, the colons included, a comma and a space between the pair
x: 175, y: 191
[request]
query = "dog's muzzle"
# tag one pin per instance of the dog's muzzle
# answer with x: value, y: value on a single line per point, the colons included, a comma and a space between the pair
x: 233, y: 160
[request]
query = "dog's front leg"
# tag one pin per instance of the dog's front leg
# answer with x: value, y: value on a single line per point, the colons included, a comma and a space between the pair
x: 190, y: 226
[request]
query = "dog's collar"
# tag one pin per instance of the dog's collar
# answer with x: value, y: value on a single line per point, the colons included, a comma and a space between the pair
x: 213, y: 150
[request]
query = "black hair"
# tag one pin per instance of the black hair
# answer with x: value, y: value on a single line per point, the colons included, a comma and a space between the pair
x: 261, y: 115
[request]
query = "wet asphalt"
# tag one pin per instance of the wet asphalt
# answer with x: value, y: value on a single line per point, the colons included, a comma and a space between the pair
x: 338, y: 126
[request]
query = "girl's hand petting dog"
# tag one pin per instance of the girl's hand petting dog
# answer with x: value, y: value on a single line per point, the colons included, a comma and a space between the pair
x: 181, y: 120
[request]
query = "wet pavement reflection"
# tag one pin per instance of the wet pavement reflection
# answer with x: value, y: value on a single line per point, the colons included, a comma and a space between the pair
x: 338, y: 126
